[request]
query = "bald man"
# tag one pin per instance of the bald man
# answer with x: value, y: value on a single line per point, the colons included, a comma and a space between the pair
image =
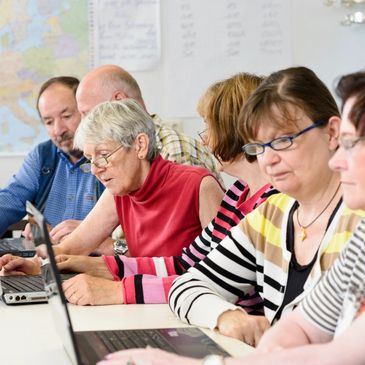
x: 111, y: 82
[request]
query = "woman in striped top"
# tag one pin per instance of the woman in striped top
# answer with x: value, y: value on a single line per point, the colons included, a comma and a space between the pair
x: 280, y: 249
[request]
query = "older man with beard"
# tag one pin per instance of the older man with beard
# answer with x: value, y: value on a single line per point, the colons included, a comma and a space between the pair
x: 50, y: 176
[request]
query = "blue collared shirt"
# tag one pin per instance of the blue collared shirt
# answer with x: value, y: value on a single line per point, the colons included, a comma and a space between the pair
x: 72, y: 194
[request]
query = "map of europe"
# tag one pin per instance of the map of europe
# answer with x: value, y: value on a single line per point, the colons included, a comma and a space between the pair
x: 39, y: 39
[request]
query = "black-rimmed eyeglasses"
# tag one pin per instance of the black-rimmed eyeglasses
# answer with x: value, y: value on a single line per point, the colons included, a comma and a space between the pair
x: 99, y: 163
x: 277, y: 144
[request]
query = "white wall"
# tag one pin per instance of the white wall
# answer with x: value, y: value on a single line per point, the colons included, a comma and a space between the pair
x: 318, y: 41
x: 9, y: 165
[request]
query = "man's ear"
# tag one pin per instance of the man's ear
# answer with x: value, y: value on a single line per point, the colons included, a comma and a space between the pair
x: 119, y: 95
x: 333, y: 128
x: 141, y: 145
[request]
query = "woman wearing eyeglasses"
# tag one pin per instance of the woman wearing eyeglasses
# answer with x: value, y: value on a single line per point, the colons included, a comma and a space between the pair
x: 280, y: 249
x: 162, y: 206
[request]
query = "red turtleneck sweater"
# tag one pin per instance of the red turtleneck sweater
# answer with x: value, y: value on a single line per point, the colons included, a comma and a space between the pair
x: 162, y: 217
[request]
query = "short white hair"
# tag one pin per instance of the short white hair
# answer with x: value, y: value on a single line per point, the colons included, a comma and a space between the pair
x: 118, y: 121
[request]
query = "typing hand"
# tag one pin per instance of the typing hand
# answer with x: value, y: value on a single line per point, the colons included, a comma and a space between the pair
x: 14, y: 265
x: 244, y: 327
x: 63, y: 229
x: 84, y: 289
x: 94, y: 266
x: 27, y: 232
x: 147, y: 356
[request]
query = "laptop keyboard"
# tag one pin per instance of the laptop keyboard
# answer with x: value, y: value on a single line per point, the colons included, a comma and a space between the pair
x: 8, y: 245
x: 23, y: 283
x: 120, y: 340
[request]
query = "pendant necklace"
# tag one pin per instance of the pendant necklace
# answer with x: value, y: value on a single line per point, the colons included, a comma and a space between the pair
x: 303, y: 233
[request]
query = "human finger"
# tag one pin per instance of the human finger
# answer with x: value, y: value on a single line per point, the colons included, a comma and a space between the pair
x: 64, y: 228
x: 68, y: 284
x: 14, y: 263
x: 260, y: 329
x: 60, y: 235
x: 42, y: 251
x: 62, y: 257
x: 12, y: 273
x: 27, y: 232
x: 5, y: 259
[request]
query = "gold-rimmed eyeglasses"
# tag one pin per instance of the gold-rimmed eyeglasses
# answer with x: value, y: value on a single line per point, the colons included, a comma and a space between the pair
x: 100, y: 163
x: 348, y: 143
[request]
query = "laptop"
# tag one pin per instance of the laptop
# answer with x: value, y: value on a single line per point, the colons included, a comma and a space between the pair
x: 26, y: 289
x: 17, y: 246
x: 88, y: 347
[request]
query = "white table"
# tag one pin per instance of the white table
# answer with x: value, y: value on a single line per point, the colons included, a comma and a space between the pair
x: 28, y: 335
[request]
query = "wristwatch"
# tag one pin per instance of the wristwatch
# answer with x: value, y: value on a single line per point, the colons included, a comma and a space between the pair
x: 120, y: 247
x: 213, y: 360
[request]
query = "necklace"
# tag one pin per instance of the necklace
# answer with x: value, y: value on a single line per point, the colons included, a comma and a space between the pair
x: 303, y: 233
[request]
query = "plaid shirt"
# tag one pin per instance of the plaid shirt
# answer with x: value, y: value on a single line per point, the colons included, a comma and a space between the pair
x: 178, y: 147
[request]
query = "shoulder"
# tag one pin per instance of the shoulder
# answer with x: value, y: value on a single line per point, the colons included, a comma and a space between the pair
x: 209, y: 183
x: 46, y: 146
x: 276, y: 202
x: 46, y: 150
x: 270, y: 213
x: 348, y: 220
x: 184, y: 169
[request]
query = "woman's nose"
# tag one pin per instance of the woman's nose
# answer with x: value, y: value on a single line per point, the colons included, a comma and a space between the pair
x: 338, y: 161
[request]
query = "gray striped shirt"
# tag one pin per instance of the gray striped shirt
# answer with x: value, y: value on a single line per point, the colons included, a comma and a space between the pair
x: 333, y: 304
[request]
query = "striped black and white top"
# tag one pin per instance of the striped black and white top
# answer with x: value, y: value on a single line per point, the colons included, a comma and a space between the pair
x: 329, y: 304
x: 254, y: 258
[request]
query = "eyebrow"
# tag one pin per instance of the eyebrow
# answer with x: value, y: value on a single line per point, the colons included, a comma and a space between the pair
x: 67, y: 109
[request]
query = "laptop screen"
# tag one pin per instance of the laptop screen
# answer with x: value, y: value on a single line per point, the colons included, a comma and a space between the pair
x: 52, y: 283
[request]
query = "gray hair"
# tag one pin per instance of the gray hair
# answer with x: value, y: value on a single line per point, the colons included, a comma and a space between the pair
x: 118, y: 121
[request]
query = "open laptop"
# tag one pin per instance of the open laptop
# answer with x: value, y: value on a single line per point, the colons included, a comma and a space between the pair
x: 23, y: 289
x: 26, y: 289
x: 17, y: 246
x: 88, y: 347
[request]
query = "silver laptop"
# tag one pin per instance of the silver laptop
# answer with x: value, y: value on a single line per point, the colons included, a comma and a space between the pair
x: 88, y: 347
x: 17, y: 246
x: 21, y: 289
x: 26, y: 289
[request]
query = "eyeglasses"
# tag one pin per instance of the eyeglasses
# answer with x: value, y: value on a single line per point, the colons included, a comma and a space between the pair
x: 349, y: 143
x: 99, y: 163
x: 277, y: 144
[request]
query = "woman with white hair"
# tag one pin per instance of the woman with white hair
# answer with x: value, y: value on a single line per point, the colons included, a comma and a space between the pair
x: 161, y: 206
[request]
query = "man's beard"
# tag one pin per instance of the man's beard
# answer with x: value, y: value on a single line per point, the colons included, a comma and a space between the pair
x: 75, y: 153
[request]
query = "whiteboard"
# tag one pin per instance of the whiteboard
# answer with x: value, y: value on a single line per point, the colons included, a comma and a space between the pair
x: 206, y: 41
x: 315, y: 39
